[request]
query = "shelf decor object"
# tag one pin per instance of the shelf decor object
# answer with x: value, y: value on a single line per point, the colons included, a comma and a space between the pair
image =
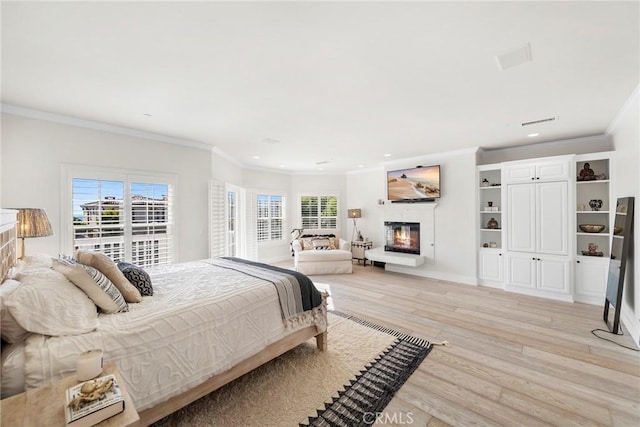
x: 592, y: 228
x: 620, y: 249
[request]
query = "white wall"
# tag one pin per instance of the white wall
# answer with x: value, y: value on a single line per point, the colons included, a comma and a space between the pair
x: 33, y: 149
x: 364, y: 190
x: 266, y: 182
x: 625, y: 134
x: 225, y: 170
x: 455, y: 234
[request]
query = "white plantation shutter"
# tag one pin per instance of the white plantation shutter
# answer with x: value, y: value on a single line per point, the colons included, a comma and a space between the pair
x: 99, y: 216
x: 319, y: 211
x: 151, y: 207
x: 127, y: 216
x: 217, y: 219
x: 270, y: 217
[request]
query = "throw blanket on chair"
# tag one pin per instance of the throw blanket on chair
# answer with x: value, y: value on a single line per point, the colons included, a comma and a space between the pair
x: 296, y: 291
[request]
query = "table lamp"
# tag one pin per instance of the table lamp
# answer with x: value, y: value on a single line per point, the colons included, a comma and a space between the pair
x: 354, y: 214
x: 32, y: 222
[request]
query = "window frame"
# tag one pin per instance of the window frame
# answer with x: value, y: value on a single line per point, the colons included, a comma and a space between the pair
x: 319, y: 217
x: 69, y: 172
x: 270, y: 218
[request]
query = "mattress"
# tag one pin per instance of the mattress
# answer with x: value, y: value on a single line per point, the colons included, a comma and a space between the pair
x: 201, y: 321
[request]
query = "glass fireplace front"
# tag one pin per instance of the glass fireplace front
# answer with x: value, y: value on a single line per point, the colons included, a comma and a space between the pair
x: 402, y: 237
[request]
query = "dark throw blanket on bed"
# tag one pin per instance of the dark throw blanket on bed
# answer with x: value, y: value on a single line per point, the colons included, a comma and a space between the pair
x: 309, y: 296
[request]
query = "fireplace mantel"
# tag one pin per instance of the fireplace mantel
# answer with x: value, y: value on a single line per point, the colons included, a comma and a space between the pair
x: 380, y: 255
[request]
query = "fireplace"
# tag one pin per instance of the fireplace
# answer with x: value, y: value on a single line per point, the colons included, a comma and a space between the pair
x: 402, y: 237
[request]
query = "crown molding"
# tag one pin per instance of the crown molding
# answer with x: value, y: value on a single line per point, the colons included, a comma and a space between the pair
x: 89, y: 124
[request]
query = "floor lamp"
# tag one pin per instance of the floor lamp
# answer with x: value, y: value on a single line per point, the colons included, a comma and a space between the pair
x: 354, y: 214
x: 32, y: 223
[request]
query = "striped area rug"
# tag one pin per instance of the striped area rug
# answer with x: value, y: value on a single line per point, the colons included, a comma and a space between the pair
x: 372, y: 389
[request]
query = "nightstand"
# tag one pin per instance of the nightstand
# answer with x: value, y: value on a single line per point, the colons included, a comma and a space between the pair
x: 44, y: 406
x: 357, y: 250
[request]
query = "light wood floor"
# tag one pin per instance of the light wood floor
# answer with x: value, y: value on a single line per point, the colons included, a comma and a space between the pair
x: 513, y: 360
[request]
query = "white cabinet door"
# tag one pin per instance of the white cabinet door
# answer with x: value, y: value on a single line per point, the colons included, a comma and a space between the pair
x: 537, y: 172
x: 491, y: 265
x: 552, y: 218
x: 552, y: 171
x: 553, y: 274
x: 591, y: 279
x: 519, y: 173
x: 522, y: 270
x: 521, y: 211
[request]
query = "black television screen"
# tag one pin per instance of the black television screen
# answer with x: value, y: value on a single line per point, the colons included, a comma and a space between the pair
x: 415, y: 184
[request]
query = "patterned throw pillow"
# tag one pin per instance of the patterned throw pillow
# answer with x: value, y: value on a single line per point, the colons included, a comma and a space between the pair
x: 106, y: 266
x: 321, y: 244
x: 138, y: 278
x: 96, y: 285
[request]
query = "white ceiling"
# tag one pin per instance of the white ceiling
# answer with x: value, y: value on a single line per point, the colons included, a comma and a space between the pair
x: 343, y: 82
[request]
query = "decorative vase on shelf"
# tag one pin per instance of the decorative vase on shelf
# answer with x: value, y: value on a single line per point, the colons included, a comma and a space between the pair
x: 484, y: 183
x: 492, y: 223
x: 595, y: 204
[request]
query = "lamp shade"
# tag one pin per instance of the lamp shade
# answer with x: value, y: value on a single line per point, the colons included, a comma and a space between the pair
x: 354, y: 213
x: 33, y: 222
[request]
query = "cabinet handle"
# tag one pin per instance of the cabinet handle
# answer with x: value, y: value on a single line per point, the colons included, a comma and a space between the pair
x: 537, y: 177
x: 533, y: 259
x: 532, y: 178
x: 538, y: 259
x: 578, y: 261
x: 499, y: 254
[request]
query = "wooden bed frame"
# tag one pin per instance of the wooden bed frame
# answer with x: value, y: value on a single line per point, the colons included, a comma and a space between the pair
x: 149, y: 416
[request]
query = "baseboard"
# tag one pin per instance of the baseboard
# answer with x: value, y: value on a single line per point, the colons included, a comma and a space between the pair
x: 630, y: 323
x: 538, y: 293
x: 465, y: 280
x: 588, y: 299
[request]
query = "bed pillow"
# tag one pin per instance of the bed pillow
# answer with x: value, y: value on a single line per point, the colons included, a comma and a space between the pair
x: 95, y: 284
x: 47, y: 303
x: 106, y: 266
x: 13, y: 379
x: 137, y: 277
x: 10, y: 329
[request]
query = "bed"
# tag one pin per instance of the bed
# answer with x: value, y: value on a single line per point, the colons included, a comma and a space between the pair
x: 208, y: 322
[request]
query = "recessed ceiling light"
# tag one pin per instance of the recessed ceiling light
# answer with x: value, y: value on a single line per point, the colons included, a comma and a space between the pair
x: 270, y: 141
x: 360, y: 166
x: 320, y: 169
x: 281, y: 166
x: 387, y: 155
x: 256, y: 157
x: 531, y: 135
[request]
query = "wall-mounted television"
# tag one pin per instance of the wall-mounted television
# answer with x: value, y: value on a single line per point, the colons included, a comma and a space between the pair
x: 419, y: 184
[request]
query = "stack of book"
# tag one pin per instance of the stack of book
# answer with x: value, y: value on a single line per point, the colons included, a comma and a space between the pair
x: 89, y: 413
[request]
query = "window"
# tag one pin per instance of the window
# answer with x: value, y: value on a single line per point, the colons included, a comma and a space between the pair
x: 319, y: 211
x: 128, y: 218
x: 231, y: 223
x: 270, y: 217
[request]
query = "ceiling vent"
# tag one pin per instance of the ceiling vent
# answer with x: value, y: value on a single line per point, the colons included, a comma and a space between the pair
x: 514, y: 57
x: 324, y: 162
x: 535, y: 122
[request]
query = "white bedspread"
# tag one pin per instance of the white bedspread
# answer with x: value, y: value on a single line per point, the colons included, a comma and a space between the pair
x: 201, y: 321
